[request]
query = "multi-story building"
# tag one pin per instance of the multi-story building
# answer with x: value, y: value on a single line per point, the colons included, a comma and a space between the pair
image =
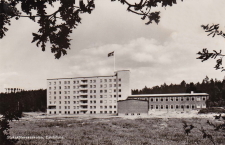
x: 146, y: 103
x: 87, y: 95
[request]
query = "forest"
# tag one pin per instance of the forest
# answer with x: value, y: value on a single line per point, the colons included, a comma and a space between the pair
x: 215, y: 88
x: 26, y: 101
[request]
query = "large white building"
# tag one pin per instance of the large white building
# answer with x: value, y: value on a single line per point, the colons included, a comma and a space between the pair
x: 87, y: 95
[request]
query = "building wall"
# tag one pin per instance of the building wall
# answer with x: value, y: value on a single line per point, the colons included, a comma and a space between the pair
x: 132, y: 107
x: 177, y: 103
x: 87, y: 95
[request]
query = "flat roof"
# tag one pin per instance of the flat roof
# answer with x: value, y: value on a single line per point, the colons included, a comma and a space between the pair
x: 88, y: 77
x: 167, y: 95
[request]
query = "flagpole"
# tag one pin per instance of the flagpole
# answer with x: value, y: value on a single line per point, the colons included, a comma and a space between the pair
x: 114, y: 61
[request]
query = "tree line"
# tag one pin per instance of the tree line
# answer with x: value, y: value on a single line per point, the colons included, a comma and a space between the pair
x: 215, y: 88
x: 27, y: 101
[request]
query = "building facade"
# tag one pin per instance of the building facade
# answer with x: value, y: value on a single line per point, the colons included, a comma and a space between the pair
x: 87, y: 95
x: 162, y: 102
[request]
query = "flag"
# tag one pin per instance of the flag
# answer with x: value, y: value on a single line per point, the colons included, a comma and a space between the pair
x: 111, y: 54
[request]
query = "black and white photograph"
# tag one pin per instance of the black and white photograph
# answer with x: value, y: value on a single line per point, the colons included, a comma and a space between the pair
x: 112, y: 72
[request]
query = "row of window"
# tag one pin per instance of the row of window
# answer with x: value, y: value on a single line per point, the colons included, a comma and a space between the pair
x: 91, y: 107
x: 86, y: 91
x: 178, y: 99
x: 176, y: 106
x: 85, y: 81
x: 78, y: 112
x: 91, y: 86
x: 91, y: 96
x: 91, y: 102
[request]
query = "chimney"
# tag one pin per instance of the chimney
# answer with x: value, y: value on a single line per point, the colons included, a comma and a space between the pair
x: 192, y: 92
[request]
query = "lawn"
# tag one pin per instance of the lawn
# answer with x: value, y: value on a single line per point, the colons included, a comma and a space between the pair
x: 114, y: 131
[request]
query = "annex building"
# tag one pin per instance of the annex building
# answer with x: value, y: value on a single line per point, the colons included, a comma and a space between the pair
x: 87, y: 95
x: 146, y: 103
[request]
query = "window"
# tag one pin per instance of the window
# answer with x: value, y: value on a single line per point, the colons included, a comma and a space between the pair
x: 59, y: 87
x: 94, y: 81
x: 59, y: 102
x: 187, y: 106
x: 65, y: 102
x: 187, y: 98
x: 110, y: 85
x: 167, y: 107
x: 152, y: 100
x: 105, y: 91
x: 114, y: 96
x: 171, y: 106
x: 68, y: 107
x: 182, y: 99
x: 171, y: 99
x: 49, y: 83
x: 101, y: 107
x: 203, y: 99
x: 119, y: 96
x: 177, y: 99
x: 114, y: 80
x: 151, y: 106
x: 177, y: 106
x: 119, y: 85
x: 105, y: 101
x: 105, y: 96
x: 105, y: 80
x: 101, y: 91
x: 90, y: 86
x: 166, y: 99
x: 114, y: 85
x: 59, y: 97
x: 156, y: 99
x: 100, y: 112
x: 161, y: 106
x: 105, y: 85
x: 105, y: 112
x: 74, y: 102
x: 110, y: 107
x: 100, y: 80
x: 101, y: 101
x: 101, y: 96
x: 161, y: 99
x: 60, y: 82
x: 90, y: 101
x: 65, y: 107
x: 114, y: 90
x: 65, y: 82
x: 119, y: 90
x: 105, y: 107
x: 59, y: 92
x: 193, y: 106
x: 68, y: 82
x: 119, y: 80
x: 49, y: 88
x: 156, y: 107
x: 54, y: 83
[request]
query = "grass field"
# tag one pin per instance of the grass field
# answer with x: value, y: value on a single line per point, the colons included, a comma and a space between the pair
x: 114, y: 131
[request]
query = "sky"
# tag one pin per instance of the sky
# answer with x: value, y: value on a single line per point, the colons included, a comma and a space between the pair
x: 154, y: 54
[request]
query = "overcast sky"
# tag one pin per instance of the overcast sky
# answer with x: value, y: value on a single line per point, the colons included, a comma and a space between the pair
x: 155, y: 54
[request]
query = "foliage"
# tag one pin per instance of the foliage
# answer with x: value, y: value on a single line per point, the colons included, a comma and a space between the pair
x: 13, y: 104
x: 57, y: 26
x: 205, y: 55
x: 211, y: 110
x: 115, y: 130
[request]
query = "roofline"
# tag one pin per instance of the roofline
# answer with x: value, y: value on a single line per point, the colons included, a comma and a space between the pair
x: 130, y: 99
x: 89, y: 77
x: 82, y: 77
x: 168, y: 95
